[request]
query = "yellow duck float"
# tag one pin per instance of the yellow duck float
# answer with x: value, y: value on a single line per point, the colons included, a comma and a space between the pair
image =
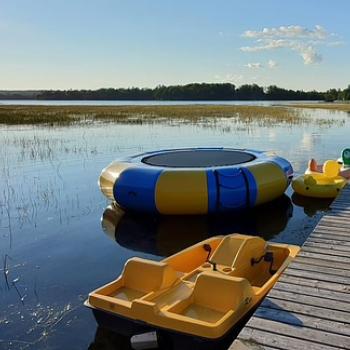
x: 324, y: 181
x: 201, y: 291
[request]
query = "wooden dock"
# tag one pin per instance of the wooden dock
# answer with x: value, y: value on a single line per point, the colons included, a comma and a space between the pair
x: 309, y: 307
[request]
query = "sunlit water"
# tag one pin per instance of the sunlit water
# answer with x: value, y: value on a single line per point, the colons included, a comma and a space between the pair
x: 53, y: 248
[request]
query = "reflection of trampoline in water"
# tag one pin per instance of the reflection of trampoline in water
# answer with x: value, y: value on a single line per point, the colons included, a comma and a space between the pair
x: 165, y: 235
x: 196, y: 181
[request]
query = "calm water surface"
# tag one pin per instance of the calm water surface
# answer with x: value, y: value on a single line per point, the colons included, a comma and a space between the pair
x: 54, y: 249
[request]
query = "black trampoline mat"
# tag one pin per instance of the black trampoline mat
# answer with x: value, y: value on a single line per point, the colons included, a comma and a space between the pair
x: 198, y: 158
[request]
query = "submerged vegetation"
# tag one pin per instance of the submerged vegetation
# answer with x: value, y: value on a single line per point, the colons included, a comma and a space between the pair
x: 68, y: 115
x: 63, y: 115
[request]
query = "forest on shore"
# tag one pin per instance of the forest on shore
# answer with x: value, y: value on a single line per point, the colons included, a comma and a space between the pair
x: 189, y: 92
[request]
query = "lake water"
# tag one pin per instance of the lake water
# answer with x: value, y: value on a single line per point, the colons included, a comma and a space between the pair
x: 54, y: 248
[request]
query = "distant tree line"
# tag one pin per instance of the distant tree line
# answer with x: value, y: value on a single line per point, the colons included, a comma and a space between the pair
x: 195, y: 91
x: 337, y: 94
x: 199, y: 92
x: 19, y: 95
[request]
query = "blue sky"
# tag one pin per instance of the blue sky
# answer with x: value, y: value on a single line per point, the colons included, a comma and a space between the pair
x: 63, y: 44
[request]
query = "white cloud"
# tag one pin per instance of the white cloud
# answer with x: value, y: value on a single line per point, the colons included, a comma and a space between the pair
x: 296, y: 38
x: 256, y: 65
x: 288, y: 32
x: 309, y: 54
x: 269, y: 44
x: 272, y: 64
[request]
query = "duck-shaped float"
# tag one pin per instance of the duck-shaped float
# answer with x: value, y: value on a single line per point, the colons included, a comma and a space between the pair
x: 344, y: 162
x: 321, y: 181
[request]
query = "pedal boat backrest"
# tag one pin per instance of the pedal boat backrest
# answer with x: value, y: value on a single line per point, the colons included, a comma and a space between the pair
x: 139, y: 278
x: 148, y: 275
x: 236, y: 252
x: 226, y: 292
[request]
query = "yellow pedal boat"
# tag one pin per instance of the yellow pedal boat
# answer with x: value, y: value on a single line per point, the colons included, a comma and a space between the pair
x: 325, y: 184
x: 201, y: 291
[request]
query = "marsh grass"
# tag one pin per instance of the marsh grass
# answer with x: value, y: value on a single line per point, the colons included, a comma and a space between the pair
x: 342, y: 107
x: 66, y: 115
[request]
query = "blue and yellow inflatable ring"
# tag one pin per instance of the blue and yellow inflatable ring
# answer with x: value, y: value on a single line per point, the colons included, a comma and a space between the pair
x: 196, y: 180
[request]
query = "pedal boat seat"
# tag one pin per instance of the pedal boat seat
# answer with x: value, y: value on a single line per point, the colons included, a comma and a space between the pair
x: 212, y: 312
x: 139, y: 278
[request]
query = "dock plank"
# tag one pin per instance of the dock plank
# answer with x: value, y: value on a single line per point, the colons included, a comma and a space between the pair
x: 315, y: 283
x: 320, y: 262
x: 325, y: 251
x: 257, y: 337
x: 300, y: 265
x: 332, y: 231
x: 318, y: 276
x: 304, y: 309
x: 329, y: 235
x: 309, y: 307
x: 330, y: 246
x: 326, y: 257
x: 300, y: 332
x: 296, y: 319
x: 334, y: 242
x: 311, y: 300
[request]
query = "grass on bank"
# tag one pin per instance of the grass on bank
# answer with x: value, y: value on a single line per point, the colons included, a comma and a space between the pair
x: 65, y: 115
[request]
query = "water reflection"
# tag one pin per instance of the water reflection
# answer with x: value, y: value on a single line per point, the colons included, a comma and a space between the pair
x: 166, y: 235
x: 108, y: 339
x: 310, y: 205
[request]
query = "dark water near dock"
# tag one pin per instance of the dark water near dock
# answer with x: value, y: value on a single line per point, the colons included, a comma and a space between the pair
x: 54, y: 249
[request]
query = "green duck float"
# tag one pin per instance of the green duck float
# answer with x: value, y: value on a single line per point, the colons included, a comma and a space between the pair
x: 345, y: 158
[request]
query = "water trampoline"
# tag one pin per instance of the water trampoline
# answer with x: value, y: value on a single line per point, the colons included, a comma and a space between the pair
x: 195, y: 180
